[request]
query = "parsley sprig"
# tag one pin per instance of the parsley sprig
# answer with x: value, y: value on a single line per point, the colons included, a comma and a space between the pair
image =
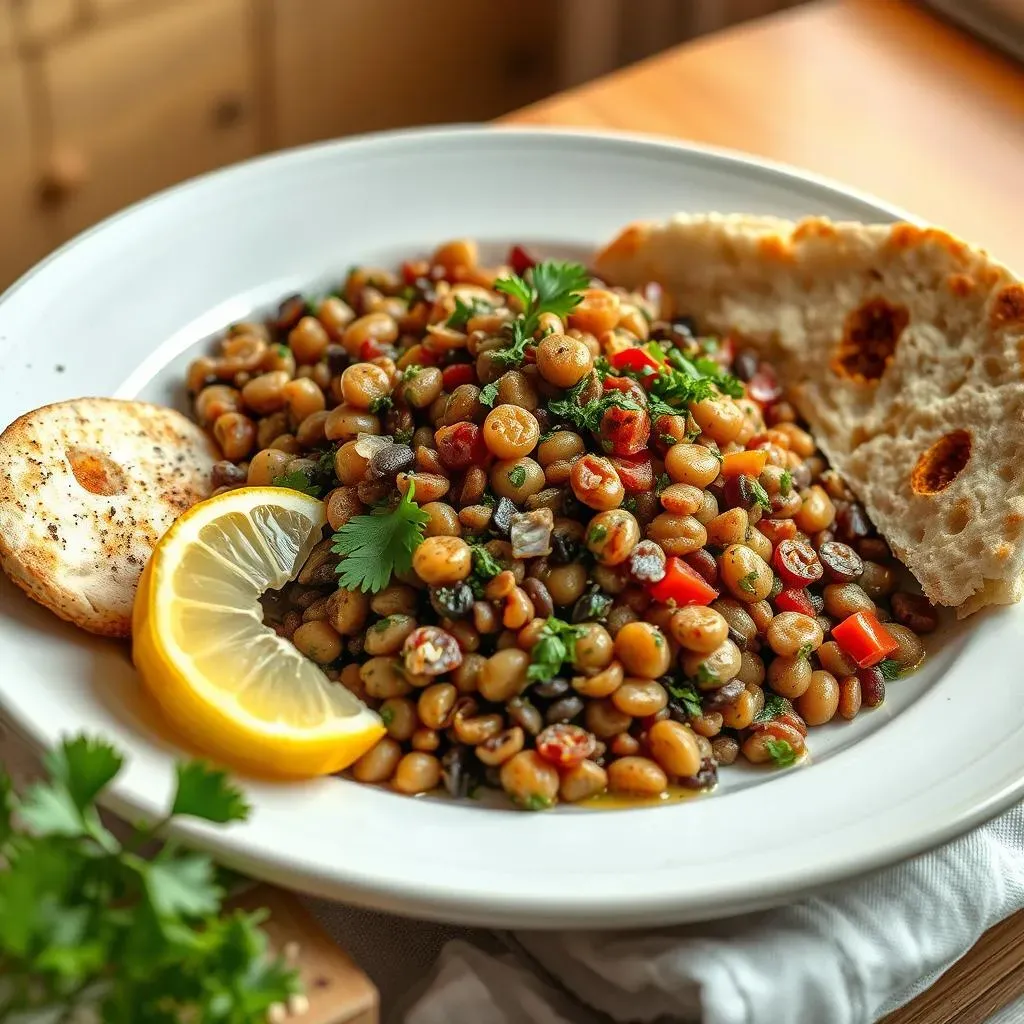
x: 376, y: 546
x: 465, y: 311
x: 586, y: 416
x: 549, y: 287
x: 298, y: 481
x: 557, y: 645
x: 781, y: 753
x: 85, y: 922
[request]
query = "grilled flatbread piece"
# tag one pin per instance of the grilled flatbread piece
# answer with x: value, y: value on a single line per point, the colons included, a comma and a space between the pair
x: 87, y: 488
x: 902, y: 347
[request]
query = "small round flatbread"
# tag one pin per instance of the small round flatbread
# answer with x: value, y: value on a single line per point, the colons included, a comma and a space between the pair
x: 87, y: 488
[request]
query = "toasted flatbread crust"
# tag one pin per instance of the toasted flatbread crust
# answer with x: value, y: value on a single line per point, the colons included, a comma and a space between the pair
x: 902, y: 347
x: 87, y: 488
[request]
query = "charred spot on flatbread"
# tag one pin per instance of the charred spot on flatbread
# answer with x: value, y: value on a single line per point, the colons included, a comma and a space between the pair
x: 941, y: 464
x: 96, y: 471
x: 869, y: 340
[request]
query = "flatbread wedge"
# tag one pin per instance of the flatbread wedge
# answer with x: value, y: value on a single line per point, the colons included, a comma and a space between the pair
x: 87, y: 487
x: 901, y: 346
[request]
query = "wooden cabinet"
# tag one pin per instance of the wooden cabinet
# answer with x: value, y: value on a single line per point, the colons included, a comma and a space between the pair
x: 26, y: 234
x: 344, y: 66
x: 142, y: 103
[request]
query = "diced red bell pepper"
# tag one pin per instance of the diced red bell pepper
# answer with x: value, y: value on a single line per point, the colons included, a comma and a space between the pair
x: 413, y: 270
x: 794, y: 599
x: 682, y: 585
x: 636, y: 360
x: 520, y: 260
x: 636, y: 474
x: 461, y: 446
x: 456, y: 374
x: 373, y: 348
x: 864, y: 639
x: 625, y: 432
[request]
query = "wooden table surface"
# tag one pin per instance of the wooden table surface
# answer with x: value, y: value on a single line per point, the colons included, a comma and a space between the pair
x: 878, y: 94
x: 881, y: 95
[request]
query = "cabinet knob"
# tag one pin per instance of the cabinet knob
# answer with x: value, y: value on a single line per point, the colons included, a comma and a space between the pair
x: 66, y: 171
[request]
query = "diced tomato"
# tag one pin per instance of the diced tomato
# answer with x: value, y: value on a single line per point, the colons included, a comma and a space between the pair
x: 747, y: 463
x: 373, y: 348
x: 520, y: 260
x: 764, y: 386
x: 629, y: 387
x: 565, y: 745
x: 636, y: 360
x: 794, y: 599
x: 797, y: 563
x: 636, y: 474
x: 682, y: 585
x: 625, y: 431
x: 777, y: 530
x: 414, y: 270
x: 456, y: 374
x: 461, y: 445
x: 864, y: 639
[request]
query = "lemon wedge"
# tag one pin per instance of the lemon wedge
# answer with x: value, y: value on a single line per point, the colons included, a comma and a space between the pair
x: 226, y: 681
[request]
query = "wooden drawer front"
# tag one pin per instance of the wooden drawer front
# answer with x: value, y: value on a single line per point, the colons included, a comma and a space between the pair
x: 359, y: 65
x: 143, y: 104
x: 25, y: 236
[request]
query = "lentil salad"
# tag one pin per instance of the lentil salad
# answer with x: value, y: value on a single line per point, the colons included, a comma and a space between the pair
x: 575, y: 545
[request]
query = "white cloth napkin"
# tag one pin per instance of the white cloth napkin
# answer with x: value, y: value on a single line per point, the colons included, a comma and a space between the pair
x: 848, y: 956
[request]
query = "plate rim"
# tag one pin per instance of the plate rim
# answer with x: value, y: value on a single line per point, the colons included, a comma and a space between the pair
x: 442, y: 904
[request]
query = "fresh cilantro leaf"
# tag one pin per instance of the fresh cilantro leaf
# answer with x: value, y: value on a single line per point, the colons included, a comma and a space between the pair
x: 663, y: 481
x: 181, y: 885
x: 381, y: 404
x: 602, y: 368
x: 596, y: 534
x: 668, y: 439
x: 748, y: 581
x: 465, y: 311
x: 296, y: 480
x: 517, y: 476
x: 403, y: 436
x: 374, y: 547
x: 535, y: 802
x: 551, y: 287
x: 805, y: 651
x: 774, y: 706
x: 557, y: 644
x: 387, y: 716
x: 85, y: 767
x: 515, y: 287
x: 781, y: 753
x: 50, y: 810
x: 689, y: 698
x: 760, y: 495
x: 890, y: 669
x: 410, y: 371
x: 205, y: 792
x: 485, y: 564
x: 588, y: 417
x: 785, y: 483
x: 629, y: 503
x: 489, y: 393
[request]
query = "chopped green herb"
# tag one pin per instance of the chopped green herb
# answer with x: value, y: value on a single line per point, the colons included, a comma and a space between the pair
x: 557, y: 644
x: 464, y: 312
x: 91, y: 930
x: 382, y: 404
x: 297, y: 481
x: 705, y: 675
x: 774, y: 706
x: 384, y: 624
x: 663, y: 481
x: 376, y: 546
x: 760, y: 495
x: 535, y: 802
x: 748, y: 581
x: 596, y: 534
x: 283, y: 351
x: 411, y: 371
x: 689, y: 697
x: 890, y: 669
x: 659, y: 640
x: 588, y: 417
x: 668, y: 439
x: 806, y: 651
x: 517, y: 476
x: 785, y: 483
x: 485, y: 567
x: 403, y: 436
x: 489, y: 393
x: 547, y: 435
x: 602, y: 368
x: 550, y: 287
x: 629, y: 503
x: 781, y: 753
x: 387, y: 716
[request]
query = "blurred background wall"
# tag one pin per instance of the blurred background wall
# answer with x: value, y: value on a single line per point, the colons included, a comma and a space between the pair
x: 105, y: 101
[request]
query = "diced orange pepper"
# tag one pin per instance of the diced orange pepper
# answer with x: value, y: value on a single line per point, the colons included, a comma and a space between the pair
x: 747, y: 463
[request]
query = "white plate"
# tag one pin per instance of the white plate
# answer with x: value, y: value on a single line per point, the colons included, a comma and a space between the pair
x: 122, y: 309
